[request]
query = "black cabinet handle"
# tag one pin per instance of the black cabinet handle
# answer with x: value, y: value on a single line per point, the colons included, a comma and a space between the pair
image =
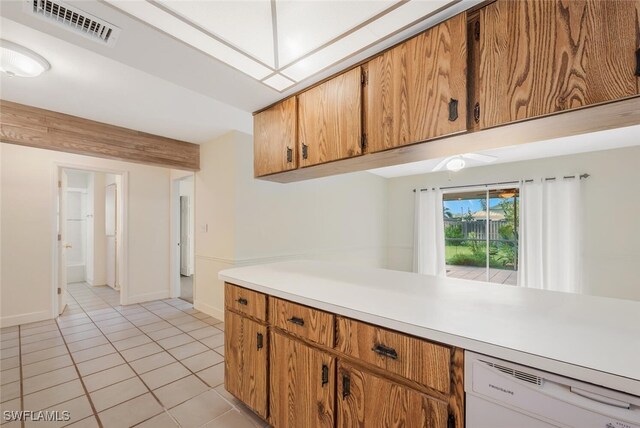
x: 453, y: 110
x: 305, y: 151
x: 296, y: 321
x: 638, y: 62
x: 346, y: 386
x: 289, y: 155
x: 243, y: 301
x: 260, y: 340
x: 385, y: 351
x: 325, y: 374
x: 476, y: 113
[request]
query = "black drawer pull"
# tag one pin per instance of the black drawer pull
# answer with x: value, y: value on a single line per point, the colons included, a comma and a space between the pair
x: 243, y: 301
x: 385, y: 351
x: 346, y: 386
x: 325, y: 374
x: 296, y: 321
x: 260, y: 340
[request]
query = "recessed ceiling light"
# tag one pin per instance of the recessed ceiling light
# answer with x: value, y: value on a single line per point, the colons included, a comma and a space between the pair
x: 16, y: 60
x: 456, y: 164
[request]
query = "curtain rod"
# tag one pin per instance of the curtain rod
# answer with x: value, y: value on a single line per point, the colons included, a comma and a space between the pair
x: 581, y: 176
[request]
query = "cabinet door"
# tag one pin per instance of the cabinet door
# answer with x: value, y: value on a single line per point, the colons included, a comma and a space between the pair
x: 245, y: 361
x: 329, y: 119
x: 302, y: 390
x: 418, y: 90
x: 539, y: 57
x: 274, y: 139
x: 366, y: 400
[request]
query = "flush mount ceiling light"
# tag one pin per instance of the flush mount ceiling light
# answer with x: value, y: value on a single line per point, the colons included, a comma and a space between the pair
x: 456, y: 163
x: 16, y: 60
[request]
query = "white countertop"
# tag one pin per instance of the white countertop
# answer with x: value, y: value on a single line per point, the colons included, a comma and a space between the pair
x: 594, y: 339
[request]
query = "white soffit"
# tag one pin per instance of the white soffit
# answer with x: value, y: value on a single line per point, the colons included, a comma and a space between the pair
x: 283, y: 42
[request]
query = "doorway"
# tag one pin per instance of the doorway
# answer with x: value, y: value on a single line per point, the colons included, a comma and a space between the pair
x: 90, y: 224
x: 184, y: 220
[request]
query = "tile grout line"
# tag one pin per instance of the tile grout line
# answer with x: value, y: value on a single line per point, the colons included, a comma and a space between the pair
x: 84, y: 387
x: 172, y: 356
x: 132, y: 369
x: 147, y: 310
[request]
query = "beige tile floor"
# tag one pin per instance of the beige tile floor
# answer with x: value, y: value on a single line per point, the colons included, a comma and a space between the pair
x: 157, y: 364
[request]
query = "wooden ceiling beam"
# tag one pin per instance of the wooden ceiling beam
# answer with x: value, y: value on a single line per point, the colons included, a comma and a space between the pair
x: 34, y: 127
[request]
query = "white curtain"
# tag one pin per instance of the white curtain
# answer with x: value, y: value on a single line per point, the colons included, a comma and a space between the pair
x: 550, y: 222
x: 428, y: 240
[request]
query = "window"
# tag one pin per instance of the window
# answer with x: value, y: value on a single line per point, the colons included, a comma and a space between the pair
x: 481, y: 235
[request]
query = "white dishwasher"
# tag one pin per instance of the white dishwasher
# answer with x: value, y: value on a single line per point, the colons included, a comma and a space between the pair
x: 501, y: 394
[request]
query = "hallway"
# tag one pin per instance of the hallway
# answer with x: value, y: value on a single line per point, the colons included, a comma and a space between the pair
x: 154, y: 364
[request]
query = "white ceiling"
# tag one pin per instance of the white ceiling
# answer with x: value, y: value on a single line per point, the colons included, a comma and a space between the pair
x: 281, y: 42
x: 596, y: 141
x: 85, y: 84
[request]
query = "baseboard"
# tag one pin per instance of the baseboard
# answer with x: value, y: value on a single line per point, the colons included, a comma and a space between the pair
x: 24, y: 318
x: 147, y: 297
x: 209, y: 310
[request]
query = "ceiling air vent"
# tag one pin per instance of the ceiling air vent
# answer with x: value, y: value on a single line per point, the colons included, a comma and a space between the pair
x: 74, y: 19
x: 524, y: 376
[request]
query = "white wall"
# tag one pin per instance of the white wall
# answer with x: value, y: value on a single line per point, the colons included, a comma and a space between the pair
x: 27, y: 216
x: 611, y: 205
x: 241, y: 220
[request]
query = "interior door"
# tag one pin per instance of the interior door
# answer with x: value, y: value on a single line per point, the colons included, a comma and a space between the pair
x: 62, y: 243
x: 185, y: 238
x: 111, y: 232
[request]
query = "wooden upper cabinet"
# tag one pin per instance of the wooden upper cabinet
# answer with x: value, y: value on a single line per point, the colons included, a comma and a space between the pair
x: 367, y: 400
x: 274, y: 139
x: 537, y: 57
x: 330, y: 119
x: 418, y: 90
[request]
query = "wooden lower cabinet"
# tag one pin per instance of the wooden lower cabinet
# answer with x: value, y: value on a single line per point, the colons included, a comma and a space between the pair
x: 366, y: 400
x: 245, y: 363
x: 302, y: 384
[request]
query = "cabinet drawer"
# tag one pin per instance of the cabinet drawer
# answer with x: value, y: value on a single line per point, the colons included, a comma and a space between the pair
x: 415, y: 359
x: 247, y: 302
x: 302, y: 321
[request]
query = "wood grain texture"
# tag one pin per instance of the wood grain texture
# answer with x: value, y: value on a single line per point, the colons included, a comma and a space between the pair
x: 574, y: 122
x: 418, y: 360
x: 318, y: 326
x: 329, y: 119
x: 298, y: 397
x: 274, y: 132
x: 247, y: 302
x: 544, y: 56
x: 372, y: 401
x: 44, y: 129
x: 456, y: 399
x: 245, y: 365
x: 410, y: 86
